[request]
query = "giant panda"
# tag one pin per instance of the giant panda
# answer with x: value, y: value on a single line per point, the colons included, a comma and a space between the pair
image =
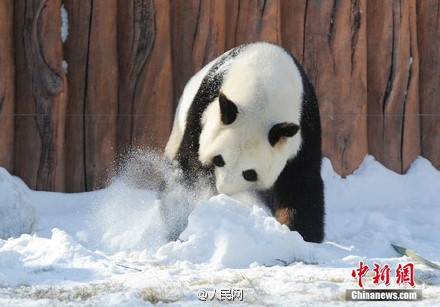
x: 249, y: 121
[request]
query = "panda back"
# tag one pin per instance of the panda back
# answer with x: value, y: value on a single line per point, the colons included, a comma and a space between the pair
x: 199, y: 85
x: 265, y: 81
x: 185, y: 101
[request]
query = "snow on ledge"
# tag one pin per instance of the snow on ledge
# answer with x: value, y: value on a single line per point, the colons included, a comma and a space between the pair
x: 64, y: 24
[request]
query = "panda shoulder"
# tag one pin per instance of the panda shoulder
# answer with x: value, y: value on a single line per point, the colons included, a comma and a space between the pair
x: 189, y: 93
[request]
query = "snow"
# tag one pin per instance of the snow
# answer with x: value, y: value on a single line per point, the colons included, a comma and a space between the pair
x: 64, y: 32
x: 64, y: 24
x: 17, y: 214
x: 65, y: 66
x: 108, y: 247
x: 219, y: 241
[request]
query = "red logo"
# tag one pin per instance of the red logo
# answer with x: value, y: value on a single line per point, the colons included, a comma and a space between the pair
x: 360, y: 273
x: 404, y: 274
x: 381, y: 274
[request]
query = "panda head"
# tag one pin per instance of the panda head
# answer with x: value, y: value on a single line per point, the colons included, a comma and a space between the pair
x: 247, y: 144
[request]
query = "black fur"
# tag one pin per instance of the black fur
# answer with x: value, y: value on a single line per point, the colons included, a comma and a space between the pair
x: 250, y: 175
x: 228, y: 109
x: 218, y: 161
x: 282, y: 130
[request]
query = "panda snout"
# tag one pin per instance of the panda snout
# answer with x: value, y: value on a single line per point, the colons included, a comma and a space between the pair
x: 250, y: 175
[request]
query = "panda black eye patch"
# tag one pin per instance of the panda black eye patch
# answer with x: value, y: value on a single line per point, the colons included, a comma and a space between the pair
x: 250, y: 175
x: 218, y: 161
x: 228, y: 109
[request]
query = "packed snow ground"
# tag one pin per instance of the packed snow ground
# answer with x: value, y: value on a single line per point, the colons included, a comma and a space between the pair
x: 108, y: 247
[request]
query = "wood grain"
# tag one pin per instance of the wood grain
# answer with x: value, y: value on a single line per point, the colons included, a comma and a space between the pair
x: 335, y: 58
x: 293, y: 17
x: 153, y: 99
x: 77, y: 55
x: 257, y: 21
x: 7, y: 85
x: 136, y: 38
x: 428, y: 34
x: 42, y: 95
x: 101, y: 104
x: 393, y: 133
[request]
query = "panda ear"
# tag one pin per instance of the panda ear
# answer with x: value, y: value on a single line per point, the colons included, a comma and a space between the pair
x: 282, y: 130
x: 228, y: 109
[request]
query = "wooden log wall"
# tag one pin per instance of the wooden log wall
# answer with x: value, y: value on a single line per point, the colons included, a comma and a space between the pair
x: 40, y: 95
x: 7, y: 85
x: 69, y: 108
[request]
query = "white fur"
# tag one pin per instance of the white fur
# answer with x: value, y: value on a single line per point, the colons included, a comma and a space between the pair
x: 265, y: 84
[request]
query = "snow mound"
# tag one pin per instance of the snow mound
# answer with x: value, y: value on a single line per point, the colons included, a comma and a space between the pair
x: 225, y: 232
x: 17, y: 213
x: 27, y: 257
x: 376, y: 207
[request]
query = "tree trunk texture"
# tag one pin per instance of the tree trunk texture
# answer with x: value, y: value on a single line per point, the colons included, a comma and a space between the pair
x: 393, y: 72
x: 76, y: 51
x: 293, y: 17
x: 101, y: 101
x: 41, y: 94
x: 256, y: 21
x: 7, y: 85
x: 428, y: 23
x: 146, y: 79
x: 335, y: 59
x: 374, y: 65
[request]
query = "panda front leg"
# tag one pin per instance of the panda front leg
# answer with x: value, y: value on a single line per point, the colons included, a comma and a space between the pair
x: 307, y: 221
x: 307, y: 210
x: 298, y: 202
